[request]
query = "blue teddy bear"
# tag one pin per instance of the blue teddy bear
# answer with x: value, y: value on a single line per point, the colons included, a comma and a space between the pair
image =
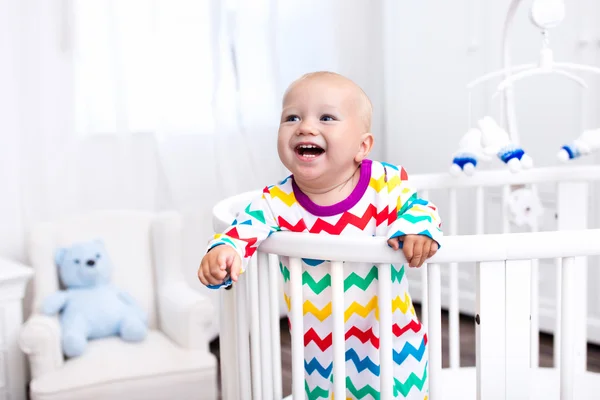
x: 91, y: 307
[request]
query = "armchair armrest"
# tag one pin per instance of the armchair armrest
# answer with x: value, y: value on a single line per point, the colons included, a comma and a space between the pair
x: 40, y: 339
x: 185, y: 315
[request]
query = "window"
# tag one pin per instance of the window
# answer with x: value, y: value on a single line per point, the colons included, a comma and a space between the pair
x: 143, y: 66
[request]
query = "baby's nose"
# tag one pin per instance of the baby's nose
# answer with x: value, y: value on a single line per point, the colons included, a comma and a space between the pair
x: 90, y: 263
x: 306, y: 130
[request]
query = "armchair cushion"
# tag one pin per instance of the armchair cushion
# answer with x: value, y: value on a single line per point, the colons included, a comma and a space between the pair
x: 153, y: 369
x: 185, y: 315
x: 40, y: 340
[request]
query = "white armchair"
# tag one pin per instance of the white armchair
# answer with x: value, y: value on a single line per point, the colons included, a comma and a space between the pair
x: 173, y: 362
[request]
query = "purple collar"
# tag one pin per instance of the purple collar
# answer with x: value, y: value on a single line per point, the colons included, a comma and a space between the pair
x: 342, y: 206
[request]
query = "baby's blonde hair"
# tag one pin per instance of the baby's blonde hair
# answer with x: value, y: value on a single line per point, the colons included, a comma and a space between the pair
x: 365, y: 103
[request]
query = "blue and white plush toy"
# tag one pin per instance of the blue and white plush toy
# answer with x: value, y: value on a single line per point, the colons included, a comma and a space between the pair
x: 469, y: 153
x: 495, y: 141
x: 91, y: 307
x: 585, y: 144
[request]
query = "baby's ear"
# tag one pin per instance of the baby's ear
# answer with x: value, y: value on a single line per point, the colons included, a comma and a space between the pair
x: 365, y: 147
x: 59, y: 255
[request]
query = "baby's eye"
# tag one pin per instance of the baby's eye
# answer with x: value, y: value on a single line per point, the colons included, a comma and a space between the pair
x: 292, y: 118
x: 76, y: 261
x: 327, y: 118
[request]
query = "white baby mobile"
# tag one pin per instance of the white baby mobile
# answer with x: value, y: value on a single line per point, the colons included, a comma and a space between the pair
x: 489, y: 140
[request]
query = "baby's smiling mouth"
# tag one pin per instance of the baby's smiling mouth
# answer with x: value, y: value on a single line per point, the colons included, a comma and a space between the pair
x: 309, y: 150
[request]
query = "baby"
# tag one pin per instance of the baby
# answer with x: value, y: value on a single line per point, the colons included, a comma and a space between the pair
x: 324, y: 140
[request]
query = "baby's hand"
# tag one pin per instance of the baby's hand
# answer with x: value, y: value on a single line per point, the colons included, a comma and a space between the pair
x: 416, y: 248
x: 216, y: 265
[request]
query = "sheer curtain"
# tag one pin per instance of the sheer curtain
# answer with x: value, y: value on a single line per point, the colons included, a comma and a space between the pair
x: 160, y: 104
x: 165, y: 80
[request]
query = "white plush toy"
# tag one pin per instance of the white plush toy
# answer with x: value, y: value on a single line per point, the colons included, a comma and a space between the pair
x: 495, y: 140
x: 525, y: 207
x: 468, y: 154
x: 586, y: 143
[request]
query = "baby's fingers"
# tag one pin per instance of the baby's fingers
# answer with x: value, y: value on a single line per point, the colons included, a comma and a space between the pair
x: 236, y: 268
x: 201, y: 274
x: 426, y: 247
x: 214, y: 273
x: 434, y: 248
x: 408, y: 248
x: 222, y: 260
x: 394, y: 243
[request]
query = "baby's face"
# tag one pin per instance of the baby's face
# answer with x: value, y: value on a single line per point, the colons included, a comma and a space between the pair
x: 322, y: 130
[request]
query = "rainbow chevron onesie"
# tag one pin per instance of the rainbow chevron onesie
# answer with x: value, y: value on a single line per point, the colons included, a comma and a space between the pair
x: 382, y: 204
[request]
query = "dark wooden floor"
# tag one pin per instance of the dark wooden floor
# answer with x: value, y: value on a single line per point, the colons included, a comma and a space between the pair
x: 467, y: 349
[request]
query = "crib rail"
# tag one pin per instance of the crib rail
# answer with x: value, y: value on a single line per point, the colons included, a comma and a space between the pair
x: 502, y: 177
x: 497, y: 258
x: 503, y: 311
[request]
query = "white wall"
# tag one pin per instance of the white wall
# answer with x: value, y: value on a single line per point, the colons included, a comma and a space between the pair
x: 351, y: 44
x: 431, y: 54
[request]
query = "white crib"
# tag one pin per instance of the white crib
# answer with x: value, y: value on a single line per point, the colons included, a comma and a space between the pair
x: 506, y: 298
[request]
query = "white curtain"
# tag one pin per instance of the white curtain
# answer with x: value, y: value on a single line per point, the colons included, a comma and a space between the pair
x: 159, y: 104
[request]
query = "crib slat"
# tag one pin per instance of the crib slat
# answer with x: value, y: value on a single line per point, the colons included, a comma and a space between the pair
x: 453, y: 312
x: 435, y: 332
x: 254, y: 329
x: 424, y: 297
x: 274, y: 296
x: 265, y: 331
x: 385, y: 332
x: 424, y: 285
x: 227, y: 334
x: 534, y: 305
x: 518, y: 286
x: 490, y: 328
x: 567, y: 342
x: 337, y: 314
x: 297, y: 328
x: 558, y: 320
x: 534, y: 332
x: 242, y: 331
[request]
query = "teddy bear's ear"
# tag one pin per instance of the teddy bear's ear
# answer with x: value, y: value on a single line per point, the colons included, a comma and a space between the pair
x: 59, y: 255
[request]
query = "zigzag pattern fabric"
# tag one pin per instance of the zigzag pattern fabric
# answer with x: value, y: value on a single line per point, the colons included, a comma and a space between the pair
x: 382, y: 204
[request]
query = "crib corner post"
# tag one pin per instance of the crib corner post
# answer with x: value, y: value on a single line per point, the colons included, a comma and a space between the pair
x: 434, y: 327
x: 518, y: 329
x: 572, y: 210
